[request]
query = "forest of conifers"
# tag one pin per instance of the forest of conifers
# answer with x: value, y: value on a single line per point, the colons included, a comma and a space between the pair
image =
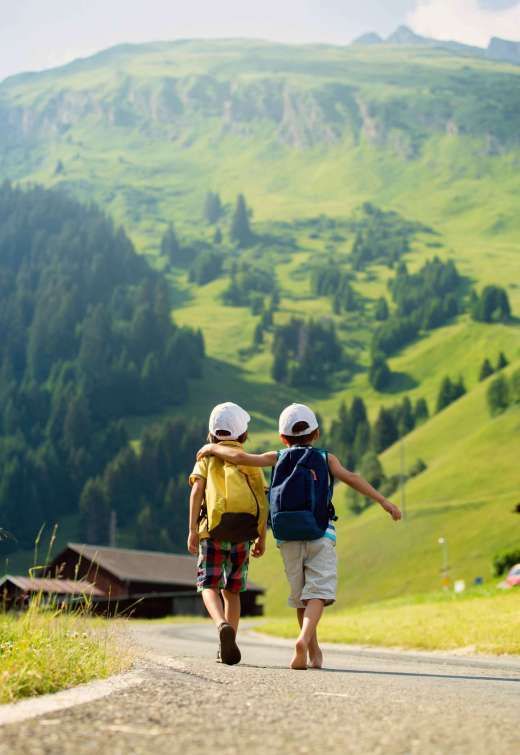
x: 87, y: 339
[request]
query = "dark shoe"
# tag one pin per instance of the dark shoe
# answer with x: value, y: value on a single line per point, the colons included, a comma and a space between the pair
x: 229, y: 651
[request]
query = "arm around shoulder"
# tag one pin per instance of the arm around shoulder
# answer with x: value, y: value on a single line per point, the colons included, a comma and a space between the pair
x: 237, y: 455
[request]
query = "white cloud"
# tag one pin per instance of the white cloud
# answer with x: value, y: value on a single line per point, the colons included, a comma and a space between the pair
x: 464, y: 21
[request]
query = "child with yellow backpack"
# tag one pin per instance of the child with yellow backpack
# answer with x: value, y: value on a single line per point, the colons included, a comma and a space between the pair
x: 228, y: 514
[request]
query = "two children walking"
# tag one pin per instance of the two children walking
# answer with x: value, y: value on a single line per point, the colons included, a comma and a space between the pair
x: 228, y: 519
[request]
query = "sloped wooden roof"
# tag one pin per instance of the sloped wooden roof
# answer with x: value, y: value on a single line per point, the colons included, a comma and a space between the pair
x: 54, y: 586
x: 142, y: 566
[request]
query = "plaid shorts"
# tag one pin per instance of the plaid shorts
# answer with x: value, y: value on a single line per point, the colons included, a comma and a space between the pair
x: 222, y: 565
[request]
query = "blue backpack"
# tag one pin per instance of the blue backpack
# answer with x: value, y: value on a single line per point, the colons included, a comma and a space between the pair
x: 300, y: 496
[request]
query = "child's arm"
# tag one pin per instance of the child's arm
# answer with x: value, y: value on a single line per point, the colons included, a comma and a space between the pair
x: 237, y: 455
x: 258, y: 547
x: 362, y: 486
x: 196, y: 498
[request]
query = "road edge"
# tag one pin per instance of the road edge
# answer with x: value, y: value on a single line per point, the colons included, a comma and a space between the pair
x: 454, y: 657
x: 32, y: 707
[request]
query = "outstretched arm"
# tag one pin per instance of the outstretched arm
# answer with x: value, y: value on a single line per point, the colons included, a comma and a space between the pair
x: 362, y: 486
x: 237, y: 455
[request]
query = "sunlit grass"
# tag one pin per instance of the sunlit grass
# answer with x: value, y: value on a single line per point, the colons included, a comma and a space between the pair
x: 489, y: 624
x: 47, y: 650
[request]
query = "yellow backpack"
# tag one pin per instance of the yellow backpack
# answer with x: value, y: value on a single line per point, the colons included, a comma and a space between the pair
x: 235, y: 503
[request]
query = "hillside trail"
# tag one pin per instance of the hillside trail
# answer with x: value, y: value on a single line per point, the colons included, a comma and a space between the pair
x: 363, y: 701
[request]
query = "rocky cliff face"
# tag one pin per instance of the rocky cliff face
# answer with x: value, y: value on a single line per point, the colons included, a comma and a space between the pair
x: 319, y: 105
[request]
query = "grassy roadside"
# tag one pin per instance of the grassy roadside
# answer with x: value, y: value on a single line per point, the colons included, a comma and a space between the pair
x: 480, y: 622
x: 47, y: 651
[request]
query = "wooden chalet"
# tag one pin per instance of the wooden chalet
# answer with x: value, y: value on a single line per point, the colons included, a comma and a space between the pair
x: 144, y: 584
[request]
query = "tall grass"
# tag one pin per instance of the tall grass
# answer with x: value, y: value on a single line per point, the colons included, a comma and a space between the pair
x: 49, y: 648
x: 54, y: 645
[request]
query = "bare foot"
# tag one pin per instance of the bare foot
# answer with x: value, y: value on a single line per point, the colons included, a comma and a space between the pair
x: 299, y: 660
x: 316, y: 656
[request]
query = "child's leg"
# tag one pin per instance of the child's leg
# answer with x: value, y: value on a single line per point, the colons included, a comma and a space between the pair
x: 213, y: 603
x: 311, y: 616
x: 210, y: 578
x: 315, y: 654
x: 231, y: 608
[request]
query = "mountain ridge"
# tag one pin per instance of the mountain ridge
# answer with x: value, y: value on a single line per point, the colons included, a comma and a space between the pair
x: 497, y: 49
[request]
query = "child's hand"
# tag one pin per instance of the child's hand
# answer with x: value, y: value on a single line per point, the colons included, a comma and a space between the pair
x: 393, y: 510
x: 193, y: 543
x: 258, y: 548
x: 206, y: 450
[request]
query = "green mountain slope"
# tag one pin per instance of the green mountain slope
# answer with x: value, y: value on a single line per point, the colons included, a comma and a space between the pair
x: 467, y: 495
x: 148, y: 129
x: 304, y: 132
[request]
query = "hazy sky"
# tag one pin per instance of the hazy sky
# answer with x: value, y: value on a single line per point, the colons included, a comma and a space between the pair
x: 36, y: 34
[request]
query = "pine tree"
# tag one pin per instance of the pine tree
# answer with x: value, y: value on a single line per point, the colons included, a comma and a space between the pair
x: 502, y: 361
x: 147, y: 535
x: 421, y: 411
x: 256, y: 302
x: 258, y: 336
x: 379, y: 374
x: 275, y: 300
x: 492, y: 305
x: 449, y: 392
x: 280, y: 368
x: 267, y: 319
x: 405, y: 417
x: 217, y: 237
x: 170, y: 246
x: 498, y: 395
x: 212, y: 208
x: 362, y: 440
x: 76, y: 425
x: 459, y: 389
x: 358, y: 413
x: 486, y: 370
x: 240, y: 231
x: 94, y: 513
x: 384, y: 430
x: 515, y: 387
x: 381, y: 311
x: 445, y: 395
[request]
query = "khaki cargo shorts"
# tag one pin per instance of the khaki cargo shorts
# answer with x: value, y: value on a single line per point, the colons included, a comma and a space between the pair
x: 310, y: 566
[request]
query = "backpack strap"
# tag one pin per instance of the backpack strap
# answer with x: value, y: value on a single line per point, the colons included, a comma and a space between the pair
x: 278, y: 454
x: 302, y: 462
x: 332, y: 510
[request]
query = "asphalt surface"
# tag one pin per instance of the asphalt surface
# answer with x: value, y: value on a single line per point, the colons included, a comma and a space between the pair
x: 363, y: 701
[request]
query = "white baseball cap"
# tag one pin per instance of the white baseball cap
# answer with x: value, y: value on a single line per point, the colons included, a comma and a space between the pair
x: 293, y: 414
x: 228, y: 417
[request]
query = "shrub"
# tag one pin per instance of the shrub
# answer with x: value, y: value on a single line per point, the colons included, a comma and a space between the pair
x: 503, y: 561
x: 492, y: 305
x: 418, y: 467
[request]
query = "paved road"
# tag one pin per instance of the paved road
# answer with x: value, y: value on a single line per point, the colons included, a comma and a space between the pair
x: 364, y: 701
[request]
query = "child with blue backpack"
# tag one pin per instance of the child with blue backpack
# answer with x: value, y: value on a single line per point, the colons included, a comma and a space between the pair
x: 302, y: 518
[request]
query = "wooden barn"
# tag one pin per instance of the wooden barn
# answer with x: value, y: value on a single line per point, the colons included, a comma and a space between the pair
x: 15, y: 592
x: 137, y: 583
